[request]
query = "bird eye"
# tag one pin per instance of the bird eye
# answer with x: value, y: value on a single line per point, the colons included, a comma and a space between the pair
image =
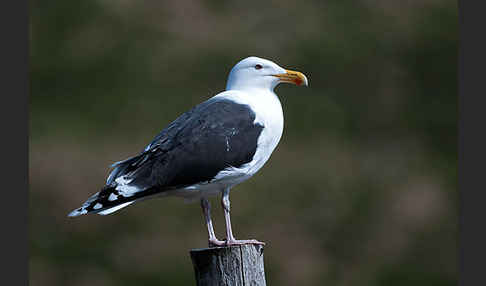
x: 257, y: 67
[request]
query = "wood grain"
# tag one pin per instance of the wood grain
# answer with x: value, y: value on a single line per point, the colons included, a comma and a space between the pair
x: 240, y: 265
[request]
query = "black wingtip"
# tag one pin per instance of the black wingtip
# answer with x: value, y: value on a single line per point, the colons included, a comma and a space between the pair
x: 77, y: 212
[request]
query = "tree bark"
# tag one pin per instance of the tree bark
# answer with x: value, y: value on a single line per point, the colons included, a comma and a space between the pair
x: 240, y: 265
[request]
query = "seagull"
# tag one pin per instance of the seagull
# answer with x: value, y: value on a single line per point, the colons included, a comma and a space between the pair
x: 207, y: 150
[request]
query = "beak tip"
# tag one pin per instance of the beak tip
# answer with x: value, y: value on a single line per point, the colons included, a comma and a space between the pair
x: 305, y: 82
x: 293, y: 77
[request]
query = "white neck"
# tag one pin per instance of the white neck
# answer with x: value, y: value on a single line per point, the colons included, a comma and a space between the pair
x: 244, y: 83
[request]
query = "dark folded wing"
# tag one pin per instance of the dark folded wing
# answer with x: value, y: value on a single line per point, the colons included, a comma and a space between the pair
x: 194, y: 148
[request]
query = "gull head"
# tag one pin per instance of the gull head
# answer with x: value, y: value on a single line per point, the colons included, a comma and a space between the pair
x: 258, y: 73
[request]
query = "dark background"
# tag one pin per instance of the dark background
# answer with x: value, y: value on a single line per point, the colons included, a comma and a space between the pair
x: 360, y: 191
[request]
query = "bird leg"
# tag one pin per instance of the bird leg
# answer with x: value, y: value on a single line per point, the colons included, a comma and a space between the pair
x: 230, y: 239
x: 213, y: 241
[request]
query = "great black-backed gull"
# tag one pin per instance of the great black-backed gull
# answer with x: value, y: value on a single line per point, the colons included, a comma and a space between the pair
x: 207, y: 150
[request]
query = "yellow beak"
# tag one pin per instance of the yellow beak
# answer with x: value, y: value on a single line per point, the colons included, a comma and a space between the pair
x: 293, y: 77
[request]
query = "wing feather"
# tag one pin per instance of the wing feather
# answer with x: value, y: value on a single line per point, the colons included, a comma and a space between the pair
x: 194, y: 148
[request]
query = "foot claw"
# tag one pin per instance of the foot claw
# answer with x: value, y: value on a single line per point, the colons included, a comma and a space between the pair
x: 216, y: 242
x: 243, y: 242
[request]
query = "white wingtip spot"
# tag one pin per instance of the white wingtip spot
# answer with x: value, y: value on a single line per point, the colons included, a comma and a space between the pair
x: 77, y: 212
x: 97, y: 206
x: 112, y: 197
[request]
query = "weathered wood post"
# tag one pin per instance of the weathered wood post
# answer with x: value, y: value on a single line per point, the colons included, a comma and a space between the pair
x: 240, y: 265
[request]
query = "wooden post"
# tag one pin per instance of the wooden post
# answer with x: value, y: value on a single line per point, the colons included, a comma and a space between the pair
x: 240, y: 265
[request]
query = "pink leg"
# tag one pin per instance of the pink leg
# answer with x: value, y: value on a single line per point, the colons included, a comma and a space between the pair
x: 230, y: 239
x: 213, y: 241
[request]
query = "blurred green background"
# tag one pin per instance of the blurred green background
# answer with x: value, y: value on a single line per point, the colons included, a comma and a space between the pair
x: 360, y: 191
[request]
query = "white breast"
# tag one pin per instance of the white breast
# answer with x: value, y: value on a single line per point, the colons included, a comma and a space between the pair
x: 268, y: 111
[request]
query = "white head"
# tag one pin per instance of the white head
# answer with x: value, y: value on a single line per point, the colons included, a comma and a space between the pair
x: 253, y: 72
